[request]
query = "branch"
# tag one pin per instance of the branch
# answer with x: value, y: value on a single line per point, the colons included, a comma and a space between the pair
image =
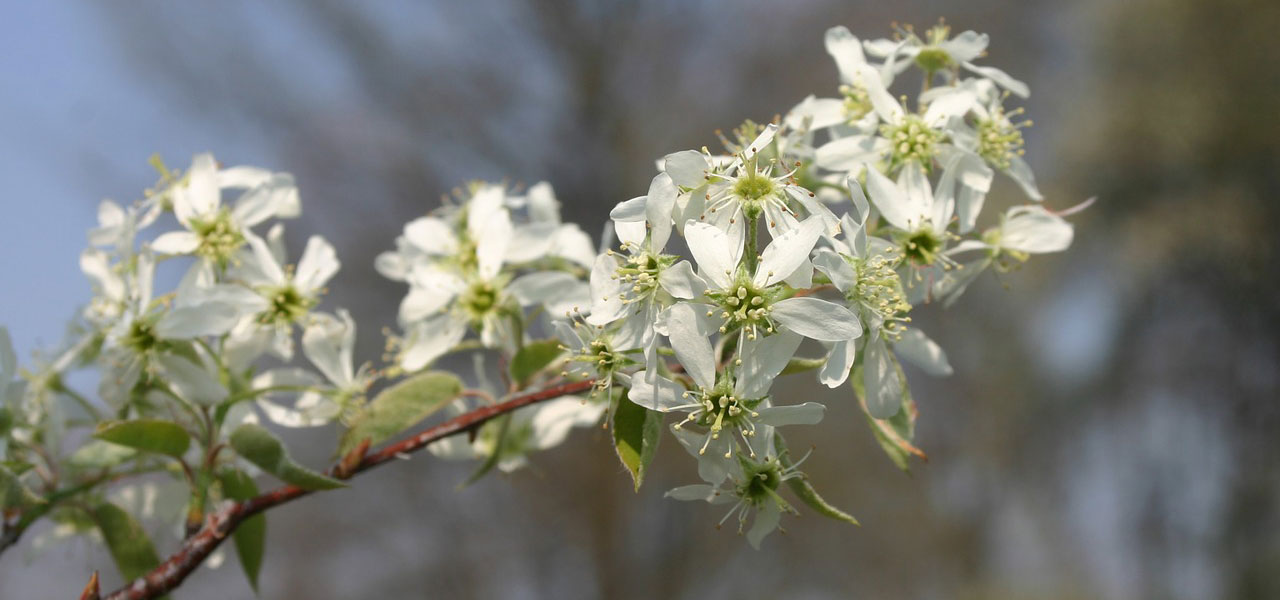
x: 219, y: 524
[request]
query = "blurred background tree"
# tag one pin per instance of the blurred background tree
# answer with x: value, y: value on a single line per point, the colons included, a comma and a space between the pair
x: 1111, y: 430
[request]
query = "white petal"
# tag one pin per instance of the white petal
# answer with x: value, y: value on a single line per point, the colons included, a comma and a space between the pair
x: 690, y: 335
x: 1035, y: 230
x: 431, y: 235
x: 97, y: 267
x: 787, y: 252
x: 847, y: 153
x: 809, y: 413
x: 631, y: 233
x: 491, y: 245
x: 630, y: 210
x: 487, y: 203
x: 697, y: 491
x: 816, y: 113
x: 176, y: 242
x: 661, y: 201
x: 847, y: 52
x: 882, y: 386
x: 892, y: 202
x: 836, y: 269
x: 919, y: 350
x: 1021, y: 173
x: 191, y: 382
x: 661, y: 394
x: 328, y: 343
x: 711, y: 248
x: 966, y: 46
x: 212, y: 318
x: 766, y: 521
x: 430, y: 339
x: 836, y: 369
x: 762, y: 360
x: 1001, y: 78
x: 606, y: 305
x: 242, y: 177
x: 201, y: 196
x: 816, y: 319
x: 680, y: 281
x: 552, y: 420
x: 687, y: 169
x: 318, y: 264
x: 572, y: 243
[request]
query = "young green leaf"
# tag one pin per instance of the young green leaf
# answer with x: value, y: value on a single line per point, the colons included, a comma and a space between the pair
x: 503, y: 424
x: 533, y: 357
x: 129, y: 545
x: 99, y: 454
x: 147, y: 435
x: 264, y: 449
x: 251, y: 536
x: 400, y: 407
x: 894, y: 434
x: 13, y: 493
x: 636, y: 433
x: 803, y: 490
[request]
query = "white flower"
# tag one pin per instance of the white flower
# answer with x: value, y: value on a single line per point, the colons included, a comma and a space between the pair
x: 275, y: 297
x: 940, y: 51
x: 214, y: 232
x: 755, y: 304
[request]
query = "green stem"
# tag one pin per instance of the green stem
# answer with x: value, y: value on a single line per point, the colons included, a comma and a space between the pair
x: 749, y: 247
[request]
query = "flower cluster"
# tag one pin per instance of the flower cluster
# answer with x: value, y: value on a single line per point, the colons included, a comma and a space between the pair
x: 810, y: 241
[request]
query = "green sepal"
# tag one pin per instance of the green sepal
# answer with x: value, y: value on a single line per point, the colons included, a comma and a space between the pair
x: 251, y: 536
x: 636, y: 433
x: 532, y: 358
x: 400, y: 407
x: 262, y: 448
x: 147, y: 435
x: 803, y: 490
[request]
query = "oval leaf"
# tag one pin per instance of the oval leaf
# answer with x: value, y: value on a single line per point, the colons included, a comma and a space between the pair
x: 636, y: 432
x: 147, y: 435
x: 251, y: 536
x: 265, y: 450
x: 400, y: 407
x: 129, y: 545
x: 533, y: 357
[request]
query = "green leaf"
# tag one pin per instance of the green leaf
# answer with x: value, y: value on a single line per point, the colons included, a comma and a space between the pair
x: 636, y: 433
x: 99, y: 454
x: 400, y: 407
x: 896, y: 433
x: 533, y: 357
x: 147, y: 435
x: 264, y: 449
x: 13, y: 493
x: 803, y: 490
x: 129, y: 545
x: 503, y: 424
x: 251, y: 536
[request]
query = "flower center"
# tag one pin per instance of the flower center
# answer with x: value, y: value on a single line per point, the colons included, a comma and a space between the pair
x: 744, y: 306
x: 999, y: 140
x: 641, y: 272
x: 480, y: 299
x: 219, y: 237
x: 760, y: 481
x: 141, y: 336
x: 912, y: 140
x: 287, y: 305
x: 879, y: 292
x: 857, y: 102
x: 921, y: 246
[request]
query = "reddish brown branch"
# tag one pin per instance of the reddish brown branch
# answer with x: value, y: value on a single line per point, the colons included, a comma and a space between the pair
x: 220, y: 523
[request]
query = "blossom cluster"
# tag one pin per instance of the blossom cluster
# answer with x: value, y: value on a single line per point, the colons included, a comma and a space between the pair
x: 803, y: 247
